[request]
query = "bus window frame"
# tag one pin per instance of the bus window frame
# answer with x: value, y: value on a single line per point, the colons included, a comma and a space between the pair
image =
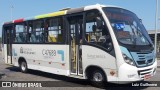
x: 4, y: 33
x: 45, y: 29
x: 62, y: 31
x: 14, y: 32
x: 85, y: 42
x: 28, y: 39
x: 68, y: 27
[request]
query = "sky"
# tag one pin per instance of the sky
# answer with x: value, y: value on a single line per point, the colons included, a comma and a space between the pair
x: 145, y: 9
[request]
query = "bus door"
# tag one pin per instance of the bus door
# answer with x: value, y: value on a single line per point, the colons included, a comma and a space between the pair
x: 8, y: 35
x: 75, y: 41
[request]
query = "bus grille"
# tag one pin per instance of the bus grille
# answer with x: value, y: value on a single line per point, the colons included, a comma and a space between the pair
x: 142, y: 61
x: 142, y: 73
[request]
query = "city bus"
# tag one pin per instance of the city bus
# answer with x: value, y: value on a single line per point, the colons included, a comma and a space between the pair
x: 97, y: 42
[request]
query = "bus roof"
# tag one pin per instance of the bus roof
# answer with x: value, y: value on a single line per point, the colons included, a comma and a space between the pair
x: 59, y: 13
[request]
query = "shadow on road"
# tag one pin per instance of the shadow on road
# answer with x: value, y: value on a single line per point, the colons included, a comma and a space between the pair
x: 1, y: 75
x: 64, y: 81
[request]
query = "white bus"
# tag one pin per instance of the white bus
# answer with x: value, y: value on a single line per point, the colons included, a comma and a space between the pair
x: 96, y: 42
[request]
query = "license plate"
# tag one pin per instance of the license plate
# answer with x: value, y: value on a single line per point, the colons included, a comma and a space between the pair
x: 147, y: 76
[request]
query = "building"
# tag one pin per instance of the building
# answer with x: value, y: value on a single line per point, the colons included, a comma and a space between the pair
x: 152, y: 35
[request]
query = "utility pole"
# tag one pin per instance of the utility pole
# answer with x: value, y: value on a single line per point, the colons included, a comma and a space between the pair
x: 156, y: 22
x: 11, y: 12
x: 11, y: 9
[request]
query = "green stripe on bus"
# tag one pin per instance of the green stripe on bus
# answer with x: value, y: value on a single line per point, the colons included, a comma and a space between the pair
x: 50, y: 14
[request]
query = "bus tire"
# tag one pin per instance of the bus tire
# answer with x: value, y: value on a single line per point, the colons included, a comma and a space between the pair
x: 23, y: 66
x: 98, y: 78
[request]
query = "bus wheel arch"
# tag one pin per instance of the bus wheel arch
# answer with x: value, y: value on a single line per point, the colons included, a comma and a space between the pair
x: 95, y: 71
x: 23, y: 65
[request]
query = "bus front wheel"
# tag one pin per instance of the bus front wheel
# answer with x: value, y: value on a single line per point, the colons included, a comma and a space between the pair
x: 98, y: 78
x: 23, y: 67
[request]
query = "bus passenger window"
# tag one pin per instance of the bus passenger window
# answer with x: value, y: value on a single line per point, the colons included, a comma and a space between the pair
x: 52, y: 36
x: 36, y: 28
x: 54, y: 30
x: 96, y: 31
x: 93, y: 30
x: 21, y: 33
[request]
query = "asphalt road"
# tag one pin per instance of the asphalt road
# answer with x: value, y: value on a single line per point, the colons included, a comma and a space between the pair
x: 10, y: 73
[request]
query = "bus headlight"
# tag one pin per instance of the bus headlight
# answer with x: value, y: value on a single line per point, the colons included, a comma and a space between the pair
x: 128, y: 60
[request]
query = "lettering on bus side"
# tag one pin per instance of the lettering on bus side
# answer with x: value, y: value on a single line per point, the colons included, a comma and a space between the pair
x: 90, y: 56
x: 26, y: 51
x: 47, y: 53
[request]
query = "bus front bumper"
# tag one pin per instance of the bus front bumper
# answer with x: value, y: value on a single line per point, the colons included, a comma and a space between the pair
x: 128, y: 73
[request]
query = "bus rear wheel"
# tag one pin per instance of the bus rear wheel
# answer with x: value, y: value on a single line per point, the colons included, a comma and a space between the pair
x: 98, y: 78
x: 23, y: 67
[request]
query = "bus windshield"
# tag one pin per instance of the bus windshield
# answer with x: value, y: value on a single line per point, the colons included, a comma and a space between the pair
x: 127, y: 27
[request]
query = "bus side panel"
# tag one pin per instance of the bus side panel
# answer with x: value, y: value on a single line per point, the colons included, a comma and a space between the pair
x: 5, y: 53
x: 92, y: 56
x: 47, y: 58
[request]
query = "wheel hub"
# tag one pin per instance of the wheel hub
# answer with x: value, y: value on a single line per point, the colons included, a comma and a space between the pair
x: 98, y: 77
x: 23, y: 66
